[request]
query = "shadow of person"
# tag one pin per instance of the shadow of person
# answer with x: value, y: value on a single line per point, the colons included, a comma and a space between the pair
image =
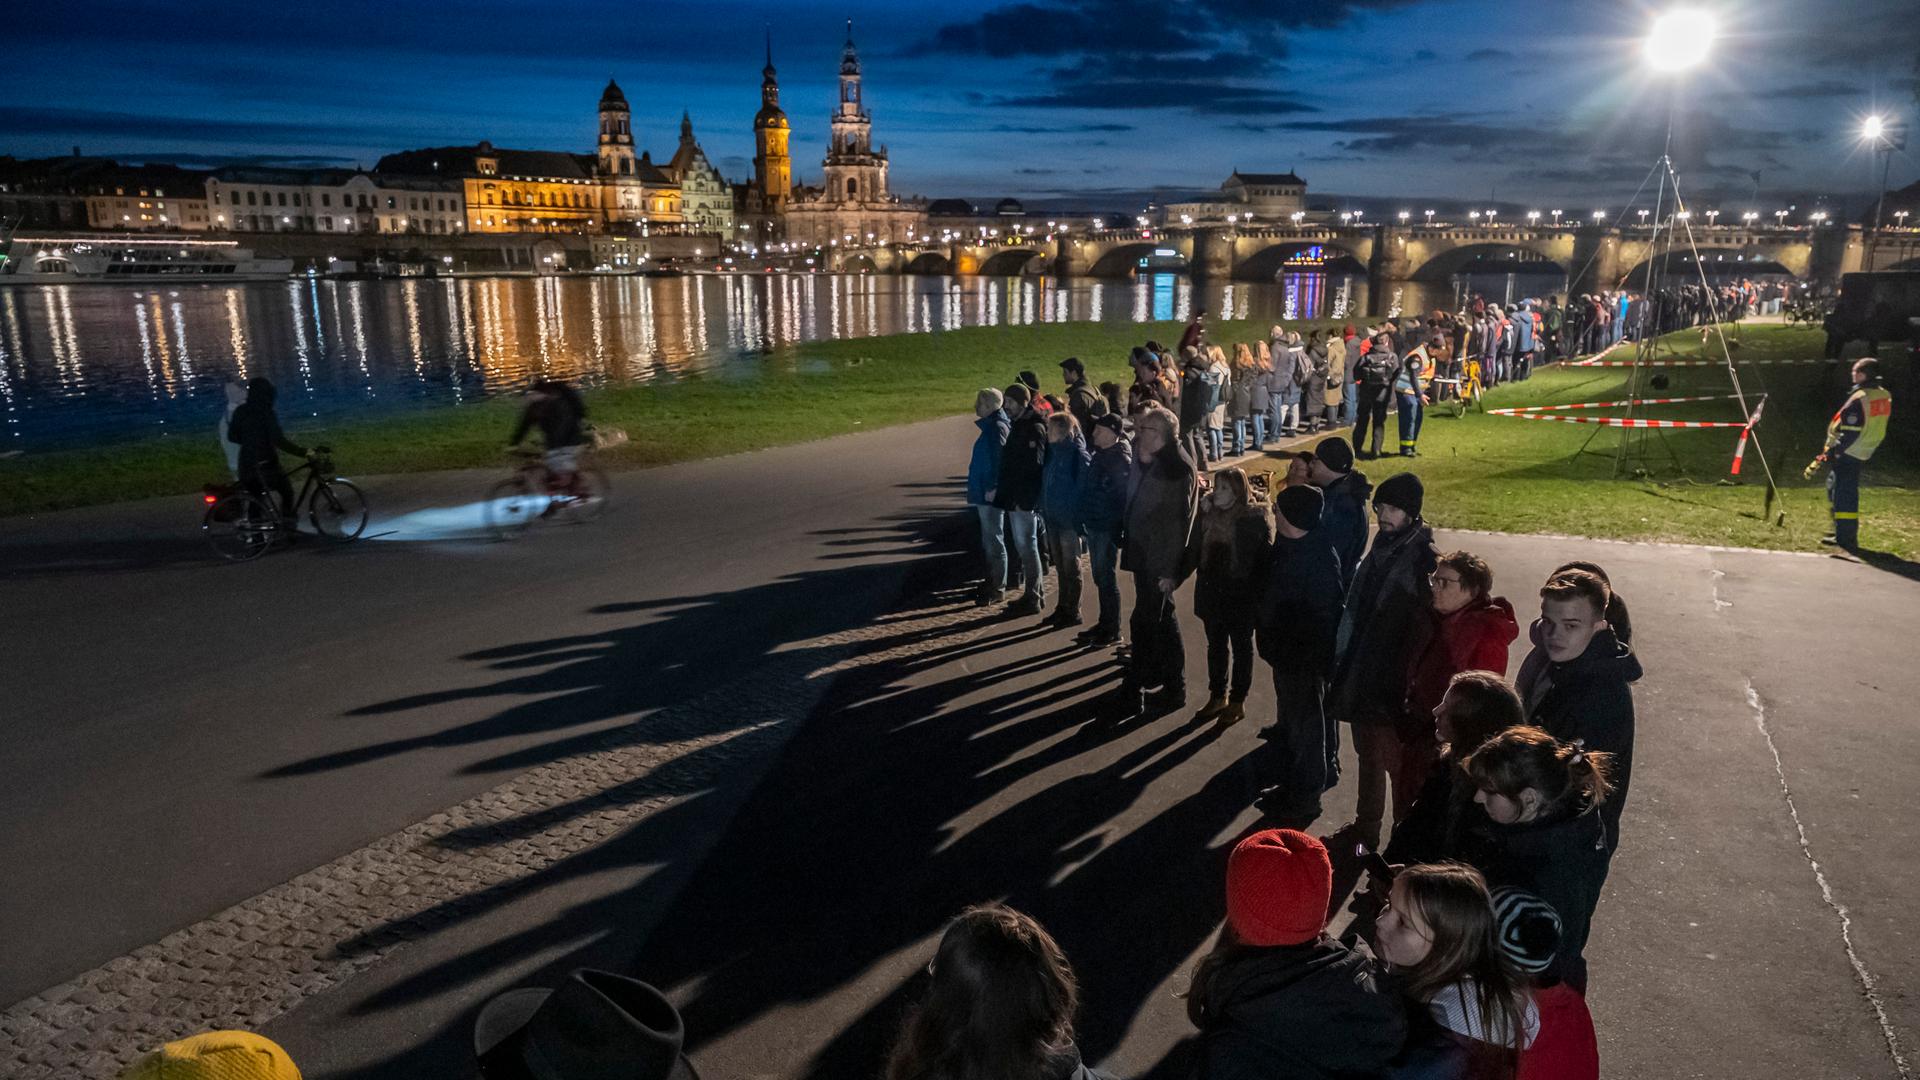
x: 1890, y: 563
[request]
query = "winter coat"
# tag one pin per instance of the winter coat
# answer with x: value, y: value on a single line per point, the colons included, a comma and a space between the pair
x: 1314, y: 393
x: 1446, y: 1040
x: 1287, y: 372
x: 1344, y: 521
x: 1100, y: 503
x: 1022, y: 460
x: 1590, y: 697
x: 1475, y: 638
x: 1318, y: 1011
x: 1085, y: 403
x: 1229, y: 552
x: 1523, y: 329
x: 1300, y: 603
x: 1196, y: 400
x: 1240, y: 396
x: 1060, y: 479
x: 1566, y: 1048
x: 983, y: 469
x: 1160, y: 516
x: 1219, y: 387
x: 1336, y: 372
x: 1377, y: 372
x: 1442, y: 809
x: 1562, y: 860
x: 1389, y: 594
x: 1262, y: 386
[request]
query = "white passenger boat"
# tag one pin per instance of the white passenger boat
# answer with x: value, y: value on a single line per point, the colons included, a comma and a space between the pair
x: 72, y: 260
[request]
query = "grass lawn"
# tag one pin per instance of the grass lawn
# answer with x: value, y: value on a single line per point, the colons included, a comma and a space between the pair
x: 1491, y: 472
x: 807, y: 392
x: 1482, y: 472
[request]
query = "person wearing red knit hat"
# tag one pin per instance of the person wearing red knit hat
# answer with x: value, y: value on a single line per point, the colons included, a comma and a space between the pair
x: 1277, y: 996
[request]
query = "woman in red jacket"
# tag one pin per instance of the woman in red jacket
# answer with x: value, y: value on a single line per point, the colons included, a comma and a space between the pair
x: 1468, y: 629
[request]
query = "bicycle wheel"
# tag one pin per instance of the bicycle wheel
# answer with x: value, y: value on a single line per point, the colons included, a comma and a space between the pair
x: 595, y: 491
x: 239, y: 527
x: 338, y: 510
x: 511, y: 506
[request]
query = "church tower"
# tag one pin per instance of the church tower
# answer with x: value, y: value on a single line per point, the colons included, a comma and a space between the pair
x: 772, y: 167
x: 616, y: 132
x: 855, y: 171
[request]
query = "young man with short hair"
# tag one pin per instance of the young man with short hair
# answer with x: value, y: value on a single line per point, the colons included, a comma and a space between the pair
x: 1584, y: 691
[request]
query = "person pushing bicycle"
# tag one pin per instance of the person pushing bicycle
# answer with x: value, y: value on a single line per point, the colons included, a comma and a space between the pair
x: 555, y: 408
x: 255, y: 428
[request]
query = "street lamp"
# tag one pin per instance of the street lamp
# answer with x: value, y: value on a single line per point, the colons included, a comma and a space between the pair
x: 1599, y: 215
x: 1297, y: 216
x: 1886, y: 138
x: 1643, y: 217
x: 1346, y: 217
x: 1556, y: 218
x: 1818, y: 216
x: 1473, y: 216
x: 1186, y: 219
x: 1404, y: 215
x: 1429, y: 214
x: 1713, y: 217
x: 1779, y: 218
x: 1749, y: 217
x: 1489, y: 217
x: 1533, y: 217
x: 1900, y: 219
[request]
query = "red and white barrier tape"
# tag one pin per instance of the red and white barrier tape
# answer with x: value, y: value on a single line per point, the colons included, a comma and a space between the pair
x: 1740, y: 449
x: 1610, y: 404
x: 1621, y: 421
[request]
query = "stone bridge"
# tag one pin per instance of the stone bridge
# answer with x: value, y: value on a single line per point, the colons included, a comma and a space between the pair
x: 1591, y: 256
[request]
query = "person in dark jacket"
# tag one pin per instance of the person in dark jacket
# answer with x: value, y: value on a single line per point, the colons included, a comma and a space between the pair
x: 1618, y: 621
x: 1229, y: 552
x: 1542, y: 830
x: 1476, y: 706
x: 1000, y: 1002
x: 1159, y: 522
x: 1195, y: 334
x: 983, y: 475
x: 1196, y: 402
x: 1100, y: 510
x: 255, y: 429
x: 1347, y: 493
x: 1277, y: 997
x: 1146, y: 388
x: 1390, y: 594
x: 1082, y: 400
x: 1584, y: 688
x: 1022, y: 462
x: 1375, y: 376
x: 1059, y: 493
x: 1298, y: 622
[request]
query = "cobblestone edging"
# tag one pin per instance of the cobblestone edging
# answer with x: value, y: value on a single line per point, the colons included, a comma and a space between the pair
x: 254, y: 961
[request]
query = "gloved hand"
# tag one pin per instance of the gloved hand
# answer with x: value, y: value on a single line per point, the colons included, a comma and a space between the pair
x: 1813, y: 467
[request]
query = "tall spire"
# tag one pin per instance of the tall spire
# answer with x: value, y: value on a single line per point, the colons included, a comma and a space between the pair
x: 849, y: 60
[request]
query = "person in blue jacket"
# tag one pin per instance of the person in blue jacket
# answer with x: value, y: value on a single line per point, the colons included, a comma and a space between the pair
x: 1059, y: 490
x: 1100, y: 509
x: 983, y: 475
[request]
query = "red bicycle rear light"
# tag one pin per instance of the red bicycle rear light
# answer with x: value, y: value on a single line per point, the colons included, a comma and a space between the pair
x: 210, y: 499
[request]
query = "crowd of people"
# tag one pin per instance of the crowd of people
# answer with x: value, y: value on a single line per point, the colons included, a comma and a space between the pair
x: 1465, y: 952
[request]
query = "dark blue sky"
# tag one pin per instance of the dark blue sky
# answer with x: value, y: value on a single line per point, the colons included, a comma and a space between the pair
x: 1095, y: 100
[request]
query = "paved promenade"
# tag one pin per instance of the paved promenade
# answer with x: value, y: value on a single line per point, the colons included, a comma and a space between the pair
x: 747, y: 738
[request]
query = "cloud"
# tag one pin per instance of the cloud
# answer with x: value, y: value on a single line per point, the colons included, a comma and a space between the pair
x: 1025, y: 129
x: 1425, y: 55
x: 283, y: 161
x: 1031, y: 171
x: 38, y: 120
x: 1490, y: 54
x: 1823, y: 88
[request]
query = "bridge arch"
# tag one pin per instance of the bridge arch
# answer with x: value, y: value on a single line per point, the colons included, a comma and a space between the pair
x: 1010, y: 262
x: 1309, y: 256
x: 929, y: 262
x: 857, y: 264
x: 1680, y: 268
x: 1487, y: 258
x: 1124, y: 260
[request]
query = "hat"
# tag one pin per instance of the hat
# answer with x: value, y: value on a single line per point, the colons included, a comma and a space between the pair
x: 1528, y: 929
x: 1032, y: 380
x: 1279, y: 882
x: 1072, y: 363
x: 594, y: 1026
x: 1335, y: 454
x: 1112, y: 421
x: 1403, y: 490
x: 1301, y: 505
x: 216, y: 1055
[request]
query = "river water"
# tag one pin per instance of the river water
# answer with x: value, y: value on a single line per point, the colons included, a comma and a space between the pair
x: 85, y: 364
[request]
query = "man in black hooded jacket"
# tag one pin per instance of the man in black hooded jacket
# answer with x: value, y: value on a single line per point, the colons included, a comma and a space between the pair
x: 255, y: 428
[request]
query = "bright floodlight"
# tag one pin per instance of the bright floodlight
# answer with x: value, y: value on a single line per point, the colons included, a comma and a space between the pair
x: 1872, y: 128
x: 1679, y: 39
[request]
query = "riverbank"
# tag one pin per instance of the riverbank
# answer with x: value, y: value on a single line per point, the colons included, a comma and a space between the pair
x: 1482, y: 472
x: 797, y: 394
x: 1532, y: 476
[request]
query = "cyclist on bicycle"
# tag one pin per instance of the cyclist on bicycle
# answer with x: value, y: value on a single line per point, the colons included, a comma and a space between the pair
x: 556, y: 409
x: 255, y: 428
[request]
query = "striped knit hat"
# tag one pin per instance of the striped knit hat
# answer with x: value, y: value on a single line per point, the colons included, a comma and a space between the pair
x: 1529, y: 929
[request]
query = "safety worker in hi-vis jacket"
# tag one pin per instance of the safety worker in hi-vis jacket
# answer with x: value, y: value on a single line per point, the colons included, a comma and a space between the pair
x: 1852, y: 436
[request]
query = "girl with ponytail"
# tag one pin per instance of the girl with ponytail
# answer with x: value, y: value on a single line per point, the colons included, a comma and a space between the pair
x: 1542, y: 830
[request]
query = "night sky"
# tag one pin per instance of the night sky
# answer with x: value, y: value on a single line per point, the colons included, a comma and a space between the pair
x: 1082, y: 102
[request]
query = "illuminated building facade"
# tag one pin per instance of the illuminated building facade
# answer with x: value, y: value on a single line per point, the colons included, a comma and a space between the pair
x: 853, y: 205
x: 1269, y: 197
x: 706, y: 202
x: 254, y: 199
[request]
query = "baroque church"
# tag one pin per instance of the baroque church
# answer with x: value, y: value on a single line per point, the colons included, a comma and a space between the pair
x: 852, y: 204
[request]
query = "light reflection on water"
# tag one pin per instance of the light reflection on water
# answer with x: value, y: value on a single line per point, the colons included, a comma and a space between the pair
x: 90, y: 363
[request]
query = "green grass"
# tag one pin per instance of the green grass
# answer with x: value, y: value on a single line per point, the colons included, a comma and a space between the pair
x: 1490, y: 472
x: 1482, y: 472
x: 809, y: 392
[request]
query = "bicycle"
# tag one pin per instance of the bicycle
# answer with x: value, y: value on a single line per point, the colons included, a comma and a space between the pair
x: 241, y: 525
x: 531, y: 495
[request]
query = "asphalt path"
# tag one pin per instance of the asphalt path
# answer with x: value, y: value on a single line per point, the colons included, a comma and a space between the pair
x: 183, y: 735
